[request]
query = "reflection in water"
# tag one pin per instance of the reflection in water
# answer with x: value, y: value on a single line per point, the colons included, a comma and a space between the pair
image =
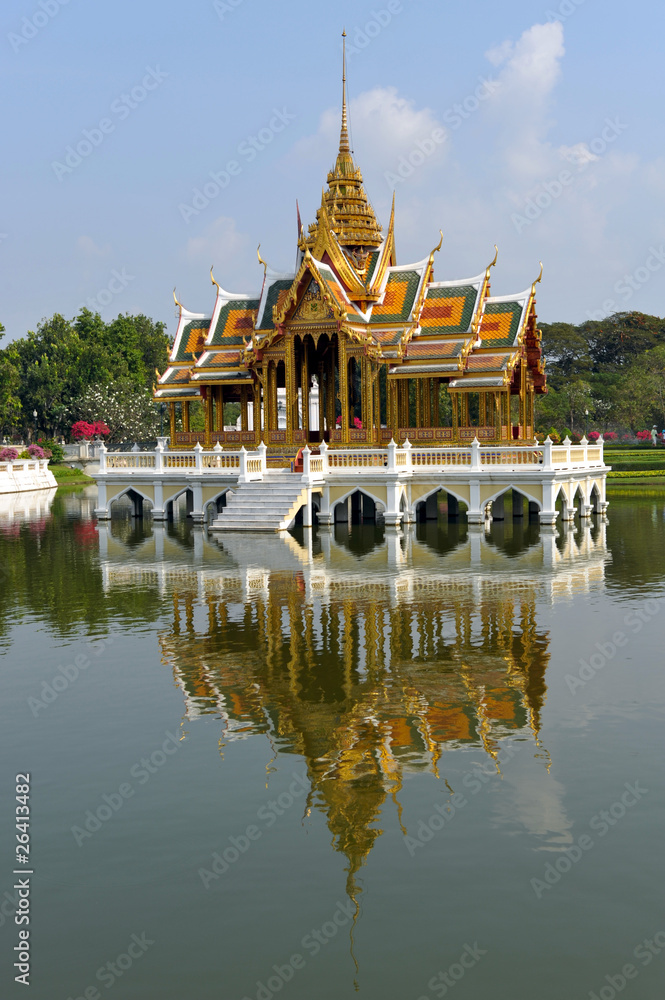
x: 29, y: 506
x: 369, y: 661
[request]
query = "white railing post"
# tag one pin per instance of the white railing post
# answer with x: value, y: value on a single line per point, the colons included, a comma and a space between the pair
x: 306, y: 455
x: 102, y: 457
x: 547, y: 454
x: 601, y: 446
x: 159, y: 456
x: 585, y: 455
x: 242, y: 472
x: 262, y: 450
x: 198, y: 459
x: 567, y: 443
x: 323, y: 448
x: 475, y: 455
x: 407, y: 447
x: 164, y: 441
x: 392, y: 456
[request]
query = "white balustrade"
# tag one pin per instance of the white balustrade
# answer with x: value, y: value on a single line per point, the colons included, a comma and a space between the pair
x: 392, y: 460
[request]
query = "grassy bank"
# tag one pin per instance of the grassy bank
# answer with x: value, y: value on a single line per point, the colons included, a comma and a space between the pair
x: 67, y: 476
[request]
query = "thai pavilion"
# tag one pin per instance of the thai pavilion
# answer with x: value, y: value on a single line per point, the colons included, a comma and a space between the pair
x: 359, y: 349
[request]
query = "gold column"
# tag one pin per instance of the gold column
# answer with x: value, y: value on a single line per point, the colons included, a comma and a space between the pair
x: 219, y: 405
x: 376, y: 384
x: 330, y: 390
x: 404, y: 416
x: 172, y: 423
x: 291, y: 393
x: 304, y: 382
x: 367, y: 396
x: 268, y: 398
x: 454, y: 398
x: 427, y: 403
x: 185, y: 416
x: 532, y: 417
x: 482, y: 409
x: 208, y: 418
x: 436, y: 393
x: 343, y: 388
x: 391, y: 406
x: 419, y: 402
x: 244, y: 423
x: 256, y: 411
x: 274, y: 409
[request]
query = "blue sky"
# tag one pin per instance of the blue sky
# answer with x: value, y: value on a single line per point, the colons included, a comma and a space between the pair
x: 556, y: 153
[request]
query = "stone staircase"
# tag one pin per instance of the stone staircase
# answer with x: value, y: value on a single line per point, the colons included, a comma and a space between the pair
x: 269, y: 505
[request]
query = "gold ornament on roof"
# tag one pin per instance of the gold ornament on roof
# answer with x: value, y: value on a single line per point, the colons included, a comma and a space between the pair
x: 350, y: 215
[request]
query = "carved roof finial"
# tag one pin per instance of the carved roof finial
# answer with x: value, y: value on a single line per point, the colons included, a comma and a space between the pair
x: 344, y: 145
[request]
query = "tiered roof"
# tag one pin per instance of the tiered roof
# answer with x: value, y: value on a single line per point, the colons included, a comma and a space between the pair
x: 347, y: 273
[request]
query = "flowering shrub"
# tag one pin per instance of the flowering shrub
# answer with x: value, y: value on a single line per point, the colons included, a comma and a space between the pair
x: 51, y: 449
x: 611, y: 436
x: 83, y: 429
x: 626, y: 437
x: 34, y: 451
x: 357, y: 423
x: 8, y: 455
x: 644, y: 435
x: 593, y: 436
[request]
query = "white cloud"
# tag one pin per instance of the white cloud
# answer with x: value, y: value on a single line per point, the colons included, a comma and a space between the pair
x: 385, y: 126
x: 90, y: 249
x: 491, y: 164
x: 220, y: 244
x: 579, y: 154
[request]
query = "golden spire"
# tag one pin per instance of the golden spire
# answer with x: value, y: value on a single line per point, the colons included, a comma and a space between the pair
x: 344, y: 146
x: 349, y: 212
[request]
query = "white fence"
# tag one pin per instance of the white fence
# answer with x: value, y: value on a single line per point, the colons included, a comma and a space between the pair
x: 330, y: 462
x: 26, y: 474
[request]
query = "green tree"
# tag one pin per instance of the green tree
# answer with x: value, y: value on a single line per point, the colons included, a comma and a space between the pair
x: 126, y: 408
x: 56, y: 364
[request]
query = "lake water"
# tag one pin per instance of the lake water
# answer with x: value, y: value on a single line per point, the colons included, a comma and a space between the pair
x: 335, y: 764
